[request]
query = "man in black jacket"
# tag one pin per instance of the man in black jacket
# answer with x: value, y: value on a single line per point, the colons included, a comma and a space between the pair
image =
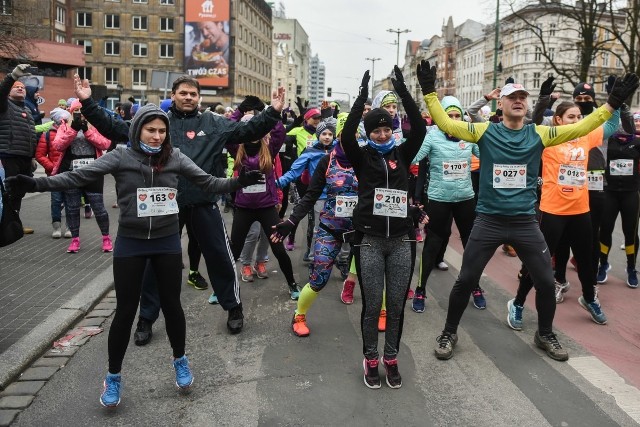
x: 17, y: 130
x: 201, y: 137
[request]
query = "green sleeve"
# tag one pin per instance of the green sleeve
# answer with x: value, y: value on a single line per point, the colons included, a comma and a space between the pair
x: 45, y: 127
x: 558, y: 134
x: 470, y: 132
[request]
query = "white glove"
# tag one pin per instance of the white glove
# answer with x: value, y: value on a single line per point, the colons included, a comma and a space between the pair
x: 20, y: 71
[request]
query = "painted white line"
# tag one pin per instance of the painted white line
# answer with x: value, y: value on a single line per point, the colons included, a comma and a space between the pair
x: 607, y: 380
x: 454, y: 258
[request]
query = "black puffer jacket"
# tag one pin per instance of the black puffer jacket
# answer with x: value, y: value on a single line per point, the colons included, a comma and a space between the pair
x: 17, y: 129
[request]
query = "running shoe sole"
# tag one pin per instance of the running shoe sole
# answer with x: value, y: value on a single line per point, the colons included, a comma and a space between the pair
x: 364, y: 377
x: 509, y: 304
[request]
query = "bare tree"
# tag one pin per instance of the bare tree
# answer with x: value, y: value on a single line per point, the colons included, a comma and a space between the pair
x: 17, y: 26
x: 627, y: 33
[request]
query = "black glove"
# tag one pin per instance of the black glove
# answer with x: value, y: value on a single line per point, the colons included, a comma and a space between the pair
x: 398, y: 83
x: 247, y: 178
x: 302, y: 108
x: 282, y: 230
x: 417, y: 214
x: 622, y: 89
x: 84, y: 126
x: 509, y: 80
x: 336, y: 111
x: 19, y: 184
x: 251, y: 103
x: 284, y: 115
x: 609, y: 84
x: 426, y: 77
x: 325, y: 113
x: 363, y: 91
x: 76, y: 124
x: 547, y: 87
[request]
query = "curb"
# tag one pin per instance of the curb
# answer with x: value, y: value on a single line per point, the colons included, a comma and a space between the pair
x: 20, y: 355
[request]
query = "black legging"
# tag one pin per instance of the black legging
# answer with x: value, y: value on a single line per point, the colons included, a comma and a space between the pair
x: 439, y: 229
x: 127, y: 277
x: 576, y: 230
x: 267, y: 217
x: 627, y: 204
x: 193, y: 249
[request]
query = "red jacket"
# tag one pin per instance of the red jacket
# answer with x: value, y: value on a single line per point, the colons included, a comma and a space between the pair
x: 46, y: 155
x: 65, y: 136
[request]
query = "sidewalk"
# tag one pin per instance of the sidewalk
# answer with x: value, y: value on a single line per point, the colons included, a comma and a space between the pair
x: 43, y: 289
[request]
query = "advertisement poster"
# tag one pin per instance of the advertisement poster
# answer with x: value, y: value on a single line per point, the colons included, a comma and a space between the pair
x: 206, y: 41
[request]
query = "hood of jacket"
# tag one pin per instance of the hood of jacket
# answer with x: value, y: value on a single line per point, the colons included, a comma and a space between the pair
x: 146, y: 113
x: 452, y: 102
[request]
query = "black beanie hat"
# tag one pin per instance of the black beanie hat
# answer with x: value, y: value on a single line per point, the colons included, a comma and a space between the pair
x: 584, y: 89
x: 378, y: 117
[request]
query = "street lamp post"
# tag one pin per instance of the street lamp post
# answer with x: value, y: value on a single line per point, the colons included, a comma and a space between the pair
x: 398, y: 32
x: 373, y: 67
x: 495, y: 52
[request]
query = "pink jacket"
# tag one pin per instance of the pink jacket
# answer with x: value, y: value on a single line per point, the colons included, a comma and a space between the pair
x: 65, y: 136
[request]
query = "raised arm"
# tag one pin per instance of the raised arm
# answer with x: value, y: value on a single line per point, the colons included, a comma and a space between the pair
x: 348, y: 140
x: 410, y: 147
x: 110, y: 127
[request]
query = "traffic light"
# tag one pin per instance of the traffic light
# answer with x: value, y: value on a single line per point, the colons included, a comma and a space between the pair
x: 299, y: 90
x: 328, y: 92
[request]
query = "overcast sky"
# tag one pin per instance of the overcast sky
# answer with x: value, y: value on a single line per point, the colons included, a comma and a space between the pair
x: 345, y: 32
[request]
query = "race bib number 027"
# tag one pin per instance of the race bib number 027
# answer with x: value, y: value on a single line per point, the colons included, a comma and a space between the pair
x: 157, y: 201
x: 509, y: 176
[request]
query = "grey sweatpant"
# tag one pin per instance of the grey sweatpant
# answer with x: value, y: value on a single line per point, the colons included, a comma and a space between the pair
x: 381, y: 261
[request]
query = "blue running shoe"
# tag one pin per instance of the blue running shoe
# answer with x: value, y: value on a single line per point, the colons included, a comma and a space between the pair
x: 595, y: 310
x: 514, y: 318
x: 213, y: 299
x: 602, y: 277
x: 184, y: 379
x: 294, y: 291
x: 632, y: 277
x: 478, y: 299
x: 110, y: 397
x: 417, y: 304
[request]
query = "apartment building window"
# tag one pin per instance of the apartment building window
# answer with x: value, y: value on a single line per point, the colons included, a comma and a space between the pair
x: 88, y: 46
x: 140, y: 23
x: 605, y: 59
x: 552, y: 53
x: 141, y: 1
x: 618, y: 61
x: 536, y: 80
x: 166, y: 50
x: 112, y: 48
x: 6, y: 7
x: 538, y: 54
x: 85, y: 73
x: 111, y: 21
x: 166, y: 24
x: 140, y: 49
x: 111, y: 76
x: 167, y: 2
x: 61, y: 15
x: 552, y: 30
x: 83, y: 19
x: 60, y: 38
x: 139, y: 77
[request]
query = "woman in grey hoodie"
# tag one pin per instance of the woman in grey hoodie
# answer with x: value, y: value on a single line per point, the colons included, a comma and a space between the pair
x: 146, y: 174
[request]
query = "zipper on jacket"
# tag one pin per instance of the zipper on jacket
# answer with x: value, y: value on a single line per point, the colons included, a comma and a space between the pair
x: 386, y: 171
x: 150, y: 218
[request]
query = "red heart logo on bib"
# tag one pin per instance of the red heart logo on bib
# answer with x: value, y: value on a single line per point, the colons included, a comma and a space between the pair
x: 172, y: 195
x: 379, y: 197
x: 392, y: 164
x: 446, y: 166
x: 404, y: 199
x: 562, y: 170
x: 142, y: 197
x: 191, y: 134
x: 521, y: 171
x: 339, y: 202
x: 581, y: 173
x: 498, y: 172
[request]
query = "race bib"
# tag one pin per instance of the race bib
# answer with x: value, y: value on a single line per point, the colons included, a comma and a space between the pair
x: 80, y: 163
x: 455, y: 169
x: 509, y: 176
x: 256, y: 188
x: 310, y: 140
x: 621, y: 167
x: 157, y: 201
x: 345, y: 206
x: 388, y: 202
x: 595, y: 180
x: 574, y: 176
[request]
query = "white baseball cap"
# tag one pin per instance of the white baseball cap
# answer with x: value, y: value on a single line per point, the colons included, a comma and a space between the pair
x: 510, y: 88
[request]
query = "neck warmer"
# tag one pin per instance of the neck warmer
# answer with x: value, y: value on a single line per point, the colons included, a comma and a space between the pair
x: 341, y: 156
x: 309, y: 128
x: 383, y: 148
x: 451, y: 138
x: 586, y: 108
x: 251, y: 148
x: 147, y: 149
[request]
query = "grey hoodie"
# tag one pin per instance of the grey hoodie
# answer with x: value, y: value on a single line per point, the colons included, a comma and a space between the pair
x: 131, y: 170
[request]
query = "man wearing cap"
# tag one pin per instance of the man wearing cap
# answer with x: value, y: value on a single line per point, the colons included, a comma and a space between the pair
x: 17, y: 130
x: 510, y: 153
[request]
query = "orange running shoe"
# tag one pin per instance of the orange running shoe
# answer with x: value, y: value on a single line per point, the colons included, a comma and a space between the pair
x: 299, y: 325
x: 382, y: 321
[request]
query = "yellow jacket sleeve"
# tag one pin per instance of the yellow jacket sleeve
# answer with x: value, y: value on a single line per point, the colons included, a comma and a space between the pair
x: 470, y: 132
x: 559, y: 134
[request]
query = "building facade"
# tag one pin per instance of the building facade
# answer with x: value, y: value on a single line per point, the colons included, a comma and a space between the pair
x: 316, y: 81
x: 291, y: 33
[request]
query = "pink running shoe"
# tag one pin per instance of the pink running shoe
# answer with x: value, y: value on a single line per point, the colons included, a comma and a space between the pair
x: 74, y: 246
x: 410, y: 294
x: 418, y: 235
x: 347, y: 291
x: 289, y: 244
x: 107, y: 246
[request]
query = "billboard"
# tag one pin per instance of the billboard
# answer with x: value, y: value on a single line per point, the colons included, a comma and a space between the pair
x: 207, y: 41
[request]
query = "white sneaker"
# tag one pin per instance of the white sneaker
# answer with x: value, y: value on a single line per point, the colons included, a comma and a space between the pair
x: 67, y: 233
x: 561, y: 288
x: 57, y: 230
x: 442, y: 266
